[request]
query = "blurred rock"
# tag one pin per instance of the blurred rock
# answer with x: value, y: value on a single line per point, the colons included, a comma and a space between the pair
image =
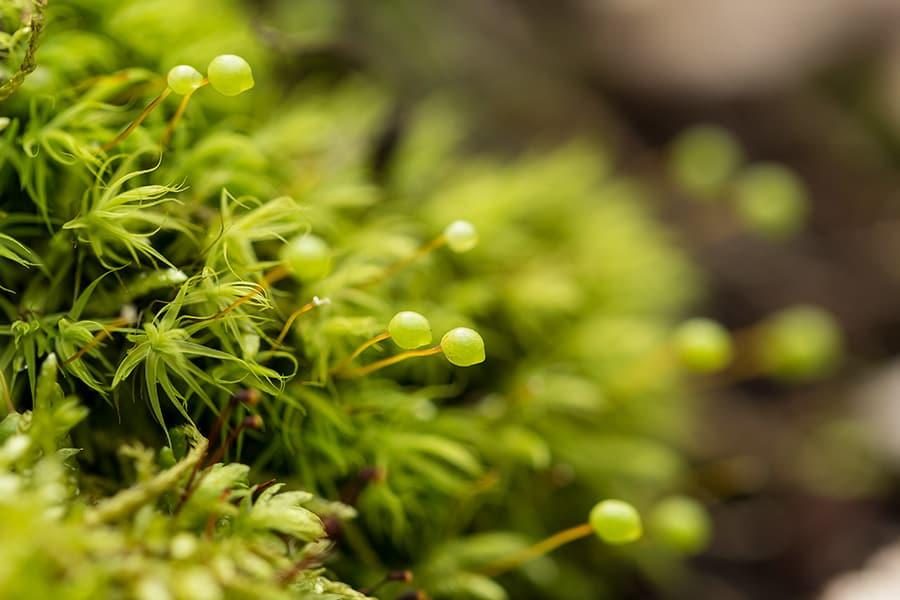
x: 878, y: 403
x: 879, y: 579
x: 715, y: 48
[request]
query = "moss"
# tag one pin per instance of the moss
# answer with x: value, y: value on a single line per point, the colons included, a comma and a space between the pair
x: 152, y: 268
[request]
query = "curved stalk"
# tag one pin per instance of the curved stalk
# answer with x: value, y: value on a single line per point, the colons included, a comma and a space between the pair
x: 539, y: 549
x: 140, y: 119
x: 405, y: 262
x: 386, y: 362
x: 359, y: 350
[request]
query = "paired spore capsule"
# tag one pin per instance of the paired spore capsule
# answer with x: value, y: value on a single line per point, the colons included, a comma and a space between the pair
x: 228, y: 74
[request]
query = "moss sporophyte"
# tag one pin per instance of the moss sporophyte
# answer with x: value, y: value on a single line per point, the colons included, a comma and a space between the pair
x: 228, y: 74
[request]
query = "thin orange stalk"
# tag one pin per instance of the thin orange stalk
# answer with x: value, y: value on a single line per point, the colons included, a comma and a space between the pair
x: 290, y: 321
x: 403, y: 263
x: 170, y: 128
x: 210, y: 528
x: 359, y: 350
x: 276, y: 274
x: 539, y: 549
x: 140, y: 119
x: 98, y: 337
x: 386, y: 362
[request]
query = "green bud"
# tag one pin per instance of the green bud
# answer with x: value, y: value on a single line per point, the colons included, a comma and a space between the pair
x: 230, y: 75
x: 681, y: 524
x: 307, y: 257
x: 410, y: 330
x: 703, y: 159
x: 184, y: 79
x: 771, y: 200
x: 703, y: 346
x: 616, y: 522
x: 463, y: 347
x: 800, y: 343
x: 166, y: 458
x: 461, y: 236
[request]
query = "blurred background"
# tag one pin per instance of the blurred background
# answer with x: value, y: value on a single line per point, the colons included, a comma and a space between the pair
x: 806, y: 474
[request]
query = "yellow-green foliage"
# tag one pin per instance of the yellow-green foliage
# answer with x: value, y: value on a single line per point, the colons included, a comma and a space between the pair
x: 161, y: 280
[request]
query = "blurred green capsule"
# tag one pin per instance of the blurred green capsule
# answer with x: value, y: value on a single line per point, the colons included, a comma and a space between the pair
x: 681, y: 524
x: 166, y: 458
x: 461, y: 236
x: 703, y: 346
x: 800, y: 343
x: 703, y: 159
x: 307, y: 257
x: 616, y: 522
x: 771, y: 200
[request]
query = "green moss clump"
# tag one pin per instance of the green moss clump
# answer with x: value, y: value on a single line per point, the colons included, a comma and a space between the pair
x: 173, y: 261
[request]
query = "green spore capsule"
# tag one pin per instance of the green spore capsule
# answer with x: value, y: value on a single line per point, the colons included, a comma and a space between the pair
x: 307, y: 257
x: 166, y: 458
x: 681, y: 524
x: 771, y: 200
x: 184, y: 79
x: 230, y: 75
x: 463, y: 347
x: 703, y: 346
x: 800, y: 343
x: 461, y: 236
x: 703, y: 159
x: 410, y: 330
x: 616, y: 522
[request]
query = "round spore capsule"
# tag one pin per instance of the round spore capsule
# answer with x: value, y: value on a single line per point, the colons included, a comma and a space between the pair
x: 771, y: 200
x: 800, y: 343
x: 461, y: 236
x: 703, y: 346
x: 307, y: 257
x: 184, y: 79
x: 463, y: 347
x: 680, y: 523
x: 703, y: 159
x: 410, y: 330
x: 616, y: 522
x: 230, y: 75
x: 166, y: 458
